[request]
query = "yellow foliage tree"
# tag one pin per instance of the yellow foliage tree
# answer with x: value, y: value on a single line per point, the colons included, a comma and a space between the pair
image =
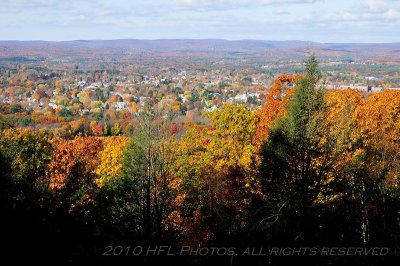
x: 111, y: 160
x: 134, y: 107
x: 213, y: 173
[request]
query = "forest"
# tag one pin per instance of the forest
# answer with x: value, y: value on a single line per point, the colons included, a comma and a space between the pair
x: 311, y: 168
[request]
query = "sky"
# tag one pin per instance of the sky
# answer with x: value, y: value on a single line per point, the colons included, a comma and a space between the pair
x: 339, y: 21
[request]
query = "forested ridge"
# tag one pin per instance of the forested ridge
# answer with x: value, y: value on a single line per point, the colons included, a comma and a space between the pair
x: 311, y: 168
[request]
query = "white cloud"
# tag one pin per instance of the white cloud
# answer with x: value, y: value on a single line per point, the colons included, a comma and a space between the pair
x: 28, y: 3
x: 80, y: 18
x: 231, y: 4
x: 241, y: 2
x: 376, y: 5
x: 232, y: 19
x: 281, y: 12
x: 367, y: 11
x: 392, y: 14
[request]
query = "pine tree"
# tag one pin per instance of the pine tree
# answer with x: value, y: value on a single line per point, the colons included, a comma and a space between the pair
x: 293, y: 160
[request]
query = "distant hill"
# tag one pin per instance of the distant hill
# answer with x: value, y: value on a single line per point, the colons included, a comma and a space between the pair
x: 165, y: 45
x: 17, y: 49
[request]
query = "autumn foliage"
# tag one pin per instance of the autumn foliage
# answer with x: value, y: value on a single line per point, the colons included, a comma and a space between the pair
x: 311, y: 164
x: 277, y: 99
x: 74, y: 162
x: 110, y: 165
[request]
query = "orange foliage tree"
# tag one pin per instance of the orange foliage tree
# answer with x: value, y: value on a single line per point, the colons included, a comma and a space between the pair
x: 71, y: 171
x: 378, y: 132
x: 276, y: 102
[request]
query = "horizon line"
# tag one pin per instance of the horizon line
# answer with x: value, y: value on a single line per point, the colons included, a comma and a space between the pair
x: 192, y: 39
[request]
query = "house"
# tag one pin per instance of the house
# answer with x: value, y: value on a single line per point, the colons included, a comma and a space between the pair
x: 241, y: 98
x: 119, y: 106
x: 53, y: 105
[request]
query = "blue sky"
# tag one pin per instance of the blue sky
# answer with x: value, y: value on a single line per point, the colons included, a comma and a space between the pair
x: 311, y: 20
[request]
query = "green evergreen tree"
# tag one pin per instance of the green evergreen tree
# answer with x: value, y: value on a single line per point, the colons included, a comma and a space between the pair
x: 292, y: 179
